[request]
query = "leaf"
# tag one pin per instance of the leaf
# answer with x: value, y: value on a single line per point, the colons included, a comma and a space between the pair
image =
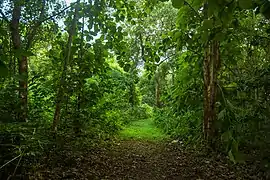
x: 226, y: 136
x: 231, y: 106
x: 207, y: 24
x: 204, y: 36
x: 219, y: 36
x: 177, y: 35
x: 127, y: 67
x: 213, y: 7
x: 177, y: 3
x: 245, y: 4
x: 234, y: 148
x: 231, y: 157
x: 3, y: 69
x: 227, y: 15
x: 93, y: 33
x: 19, y: 53
x: 119, y: 28
x: 89, y: 38
x: 221, y: 114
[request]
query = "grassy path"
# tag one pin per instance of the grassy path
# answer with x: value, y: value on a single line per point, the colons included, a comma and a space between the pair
x: 143, y: 130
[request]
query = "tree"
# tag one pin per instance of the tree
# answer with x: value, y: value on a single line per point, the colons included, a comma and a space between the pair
x: 67, y: 58
x: 23, y: 35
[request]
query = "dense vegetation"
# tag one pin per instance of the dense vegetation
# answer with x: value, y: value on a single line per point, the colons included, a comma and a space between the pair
x: 72, y: 75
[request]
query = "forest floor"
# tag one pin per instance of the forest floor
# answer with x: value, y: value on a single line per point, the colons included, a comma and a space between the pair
x: 142, y: 152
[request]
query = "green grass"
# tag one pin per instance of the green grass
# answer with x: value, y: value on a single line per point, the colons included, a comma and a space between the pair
x: 143, y: 130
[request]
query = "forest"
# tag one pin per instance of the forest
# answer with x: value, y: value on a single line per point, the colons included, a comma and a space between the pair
x: 134, y: 89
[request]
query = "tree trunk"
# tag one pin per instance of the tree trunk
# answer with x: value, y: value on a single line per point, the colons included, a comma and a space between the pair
x: 22, y: 60
x: 158, y: 91
x: 23, y: 88
x: 211, y: 68
x: 80, y: 82
x: 62, y: 84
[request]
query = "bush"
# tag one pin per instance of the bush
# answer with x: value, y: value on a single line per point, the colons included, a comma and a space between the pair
x: 21, y: 146
x: 185, y: 126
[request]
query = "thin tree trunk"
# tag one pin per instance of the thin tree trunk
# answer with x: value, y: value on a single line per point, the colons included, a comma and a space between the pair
x: 211, y: 68
x: 158, y: 91
x: 11, y: 60
x: 14, y: 25
x: 61, y: 88
x: 206, y: 77
x: 80, y: 83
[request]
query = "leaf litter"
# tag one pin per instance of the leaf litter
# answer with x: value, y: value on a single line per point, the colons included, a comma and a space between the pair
x: 141, y: 160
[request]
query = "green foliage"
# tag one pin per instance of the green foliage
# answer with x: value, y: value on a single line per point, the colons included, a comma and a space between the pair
x: 98, y: 97
x: 107, y: 64
x: 185, y: 126
x: 142, y: 130
x: 207, y: 24
x: 24, y: 141
x: 245, y: 4
x: 177, y: 3
x: 241, y: 104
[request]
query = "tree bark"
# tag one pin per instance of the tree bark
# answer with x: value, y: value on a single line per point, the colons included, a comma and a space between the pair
x: 211, y: 68
x: 22, y: 60
x: 61, y: 88
x: 158, y: 91
x: 23, y: 88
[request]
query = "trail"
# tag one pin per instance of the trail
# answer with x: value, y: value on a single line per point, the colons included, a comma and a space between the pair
x: 143, y: 130
x: 142, y: 152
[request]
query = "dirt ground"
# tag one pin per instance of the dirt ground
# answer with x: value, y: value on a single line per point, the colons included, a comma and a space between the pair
x: 142, y: 160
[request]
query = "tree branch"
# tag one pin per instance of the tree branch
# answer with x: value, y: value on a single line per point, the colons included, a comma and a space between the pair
x: 56, y: 14
x: 168, y: 57
x: 40, y: 21
x: 45, y: 19
x: 186, y: 3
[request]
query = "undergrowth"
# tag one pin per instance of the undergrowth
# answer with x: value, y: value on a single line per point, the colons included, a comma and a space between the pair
x: 144, y: 129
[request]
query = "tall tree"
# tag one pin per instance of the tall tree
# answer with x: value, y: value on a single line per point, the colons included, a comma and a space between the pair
x: 22, y: 60
x: 24, y: 30
x: 67, y: 58
x: 210, y: 68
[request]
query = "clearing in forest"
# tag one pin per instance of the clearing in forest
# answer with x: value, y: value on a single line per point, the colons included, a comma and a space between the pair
x: 144, y: 129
